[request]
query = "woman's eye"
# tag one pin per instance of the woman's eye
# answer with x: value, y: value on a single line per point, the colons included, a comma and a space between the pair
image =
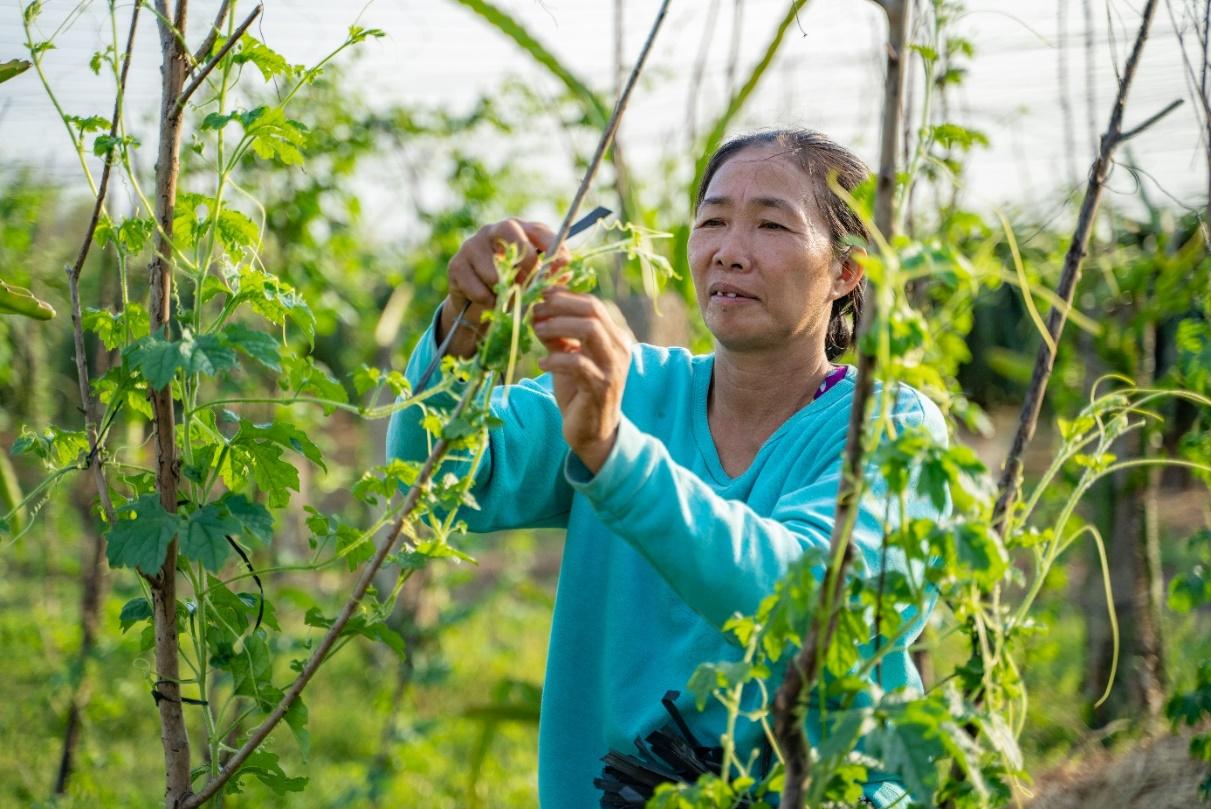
x: 772, y: 226
x: 710, y: 223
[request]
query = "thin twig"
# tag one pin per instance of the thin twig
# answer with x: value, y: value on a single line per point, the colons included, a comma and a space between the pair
x: 204, y: 71
x: 1131, y: 133
x: 704, y: 49
x: 608, y: 136
x: 96, y: 470
x: 73, y: 274
x: 413, y: 497
x: 602, y: 146
x: 803, y: 672
x: 1077, y: 249
x: 213, y: 34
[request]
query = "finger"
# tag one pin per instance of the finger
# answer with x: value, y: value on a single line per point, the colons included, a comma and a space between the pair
x: 543, y: 237
x: 509, y: 232
x: 468, y: 283
x: 482, y: 261
x: 579, y: 366
x: 561, y: 301
x: 557, y: 345
x: 588, y: 332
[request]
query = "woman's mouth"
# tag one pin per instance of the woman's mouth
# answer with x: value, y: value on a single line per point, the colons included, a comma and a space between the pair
x: 727, y: 294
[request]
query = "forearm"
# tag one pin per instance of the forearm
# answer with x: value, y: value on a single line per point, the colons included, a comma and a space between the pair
x: 720, y: 555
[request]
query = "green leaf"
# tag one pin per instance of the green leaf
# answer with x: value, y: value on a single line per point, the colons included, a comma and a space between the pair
x: 284, y: 434
x: 133, y: 611
x: 141, y: 534
x: 911, y: 745
x: 360, y: 624
x: 93, y: 123
x: 358, y: 34
x: 250, y: 668
x: 104, y: 145
x: 98, y: 59
x: 217, y: 120
x: 111, y: 327
x: 260, y: 346
x: 121, y: 382
x: 53, y: 445
x: 205, y: 354
x: 13, y: 67
x: 304, y: 376
x: 263, y: 765
x: 274, y: 476
x: 204, y: 538
x: 16, y: 300
x: 950, y: 136
x: 273, y: 299
x: 387, y: 636
x: 236, y: 231
x: 156, y: 359
x: 135, y: 232
x: 296, y: 718
x: 267, y: 60
x: 274, y: 136
x: 254, y: 519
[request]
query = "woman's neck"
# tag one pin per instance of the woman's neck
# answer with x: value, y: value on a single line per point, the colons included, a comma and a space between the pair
x: 763, y: 389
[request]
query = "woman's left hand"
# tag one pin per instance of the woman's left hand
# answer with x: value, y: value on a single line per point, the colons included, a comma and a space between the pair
x: 589, y: 356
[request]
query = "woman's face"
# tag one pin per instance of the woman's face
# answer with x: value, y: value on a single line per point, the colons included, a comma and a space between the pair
x: 761, y: 255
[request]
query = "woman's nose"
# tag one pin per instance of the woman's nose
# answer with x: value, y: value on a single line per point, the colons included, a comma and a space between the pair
x: 733, y: 252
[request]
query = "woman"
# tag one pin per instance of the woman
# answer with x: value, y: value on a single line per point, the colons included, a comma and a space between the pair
x: 687, y: 484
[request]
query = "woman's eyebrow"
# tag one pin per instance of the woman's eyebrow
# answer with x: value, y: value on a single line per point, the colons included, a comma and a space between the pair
x: 755, y: 202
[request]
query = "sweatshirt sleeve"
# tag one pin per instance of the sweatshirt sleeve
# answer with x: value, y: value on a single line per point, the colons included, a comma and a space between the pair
x: 520, y: 481
x: 720, y: 555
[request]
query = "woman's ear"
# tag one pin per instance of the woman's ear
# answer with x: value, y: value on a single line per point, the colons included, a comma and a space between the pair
x: 848, y: 273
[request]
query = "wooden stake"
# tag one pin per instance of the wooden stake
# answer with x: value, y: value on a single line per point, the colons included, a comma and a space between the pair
x: 804, y: 670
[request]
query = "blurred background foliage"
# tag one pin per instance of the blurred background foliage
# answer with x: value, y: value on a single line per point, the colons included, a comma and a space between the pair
x: 453, y: 722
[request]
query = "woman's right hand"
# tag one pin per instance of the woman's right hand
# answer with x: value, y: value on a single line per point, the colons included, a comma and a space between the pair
x: 471, y: 275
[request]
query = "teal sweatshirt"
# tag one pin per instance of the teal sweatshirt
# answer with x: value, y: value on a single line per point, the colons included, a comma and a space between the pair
x: 662, y: 546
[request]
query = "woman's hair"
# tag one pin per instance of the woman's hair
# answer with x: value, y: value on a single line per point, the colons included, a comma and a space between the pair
x: 818, y: 156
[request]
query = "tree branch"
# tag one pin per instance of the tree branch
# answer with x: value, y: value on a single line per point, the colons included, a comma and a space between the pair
x: 803, y: 672
x: 204, y: 71
x: 1045, y: 360
x: 1131, y: 133
x: 212, y: 35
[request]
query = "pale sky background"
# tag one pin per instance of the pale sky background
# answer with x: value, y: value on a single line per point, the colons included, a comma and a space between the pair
x: 828, y: 77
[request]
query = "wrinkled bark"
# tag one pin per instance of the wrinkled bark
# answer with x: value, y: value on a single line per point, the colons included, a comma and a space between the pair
x: 173, y: 734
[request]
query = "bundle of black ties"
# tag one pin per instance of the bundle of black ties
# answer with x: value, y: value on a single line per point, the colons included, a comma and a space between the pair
x: 670, y: 755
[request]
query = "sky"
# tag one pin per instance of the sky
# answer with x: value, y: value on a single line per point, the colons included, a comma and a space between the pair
x: 1030, y: 95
